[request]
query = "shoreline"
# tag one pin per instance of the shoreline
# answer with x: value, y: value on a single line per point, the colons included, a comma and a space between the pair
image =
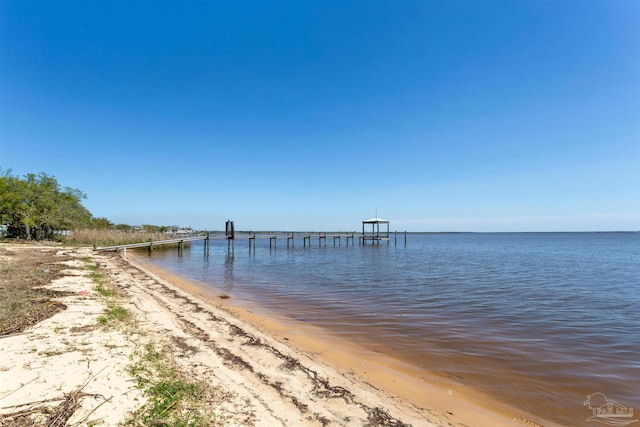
x: 460, y: 404
x: 266, y: 370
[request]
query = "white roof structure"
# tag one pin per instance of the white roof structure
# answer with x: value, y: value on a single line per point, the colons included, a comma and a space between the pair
x: 375, y: 221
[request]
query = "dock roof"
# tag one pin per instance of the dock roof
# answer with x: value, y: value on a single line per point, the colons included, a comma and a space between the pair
x: 375, y: 221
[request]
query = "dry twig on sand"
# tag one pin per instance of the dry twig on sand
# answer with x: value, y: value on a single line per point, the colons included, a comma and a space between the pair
x: 40, y: 413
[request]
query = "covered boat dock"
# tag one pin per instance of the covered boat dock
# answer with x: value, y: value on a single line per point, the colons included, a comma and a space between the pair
x: 373, y: 234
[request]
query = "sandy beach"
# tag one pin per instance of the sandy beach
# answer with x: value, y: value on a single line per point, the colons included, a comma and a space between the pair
x: 265, y: 372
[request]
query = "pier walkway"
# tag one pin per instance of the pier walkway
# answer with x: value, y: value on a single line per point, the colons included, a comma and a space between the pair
x: 290, y: 238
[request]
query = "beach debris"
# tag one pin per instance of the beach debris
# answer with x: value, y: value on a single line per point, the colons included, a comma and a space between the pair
x: 42, y: 413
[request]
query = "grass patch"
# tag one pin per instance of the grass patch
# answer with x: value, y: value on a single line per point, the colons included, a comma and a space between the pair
x: 114, y: 311
x: 105, y: 291
x: 118, y: 313
x: 173, y: 399
x: 102, y: 283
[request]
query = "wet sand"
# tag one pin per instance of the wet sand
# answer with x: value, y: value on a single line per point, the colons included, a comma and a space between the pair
x: 436, y: 394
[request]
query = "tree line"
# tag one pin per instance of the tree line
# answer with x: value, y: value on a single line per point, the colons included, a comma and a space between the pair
x: 36, y: 206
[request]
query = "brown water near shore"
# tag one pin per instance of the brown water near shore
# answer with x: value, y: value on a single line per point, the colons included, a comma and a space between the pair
x: 371, y: 361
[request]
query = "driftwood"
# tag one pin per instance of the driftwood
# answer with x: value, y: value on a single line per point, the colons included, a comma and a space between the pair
x: 40, y: 413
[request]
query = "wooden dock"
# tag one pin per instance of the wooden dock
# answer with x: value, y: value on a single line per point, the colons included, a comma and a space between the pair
x: 290, y: 237
x: 151, y: 243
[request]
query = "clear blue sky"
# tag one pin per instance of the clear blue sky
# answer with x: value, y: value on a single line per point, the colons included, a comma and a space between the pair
x: 443, y: 115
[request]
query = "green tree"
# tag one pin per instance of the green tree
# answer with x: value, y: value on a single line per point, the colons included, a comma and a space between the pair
x: 126, y: 228
x: 150, y: 228
x: 35, y: 207
x: 8, y: 197
x: 101, y: 224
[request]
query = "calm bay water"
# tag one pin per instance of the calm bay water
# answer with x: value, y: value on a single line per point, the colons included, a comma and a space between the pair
x: 538, y: 320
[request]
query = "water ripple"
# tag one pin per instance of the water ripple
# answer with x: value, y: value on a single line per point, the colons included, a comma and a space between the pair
x: 529, y: 317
